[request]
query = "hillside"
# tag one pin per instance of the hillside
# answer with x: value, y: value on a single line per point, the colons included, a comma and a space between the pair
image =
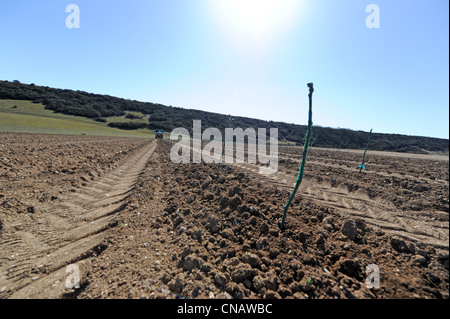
x: 130, y: 115
x: 27, y: 117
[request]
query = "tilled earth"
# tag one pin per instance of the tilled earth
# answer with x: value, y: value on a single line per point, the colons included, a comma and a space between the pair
x: 139, y: 226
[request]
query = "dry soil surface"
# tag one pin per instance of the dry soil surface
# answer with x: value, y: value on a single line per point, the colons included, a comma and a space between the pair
x: 137, y: 225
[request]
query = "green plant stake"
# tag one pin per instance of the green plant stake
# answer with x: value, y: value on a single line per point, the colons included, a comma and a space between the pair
x: 304, y: 156
x: 361, y: 167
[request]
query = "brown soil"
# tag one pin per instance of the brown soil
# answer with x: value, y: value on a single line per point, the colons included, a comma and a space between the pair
x: 139, y: 226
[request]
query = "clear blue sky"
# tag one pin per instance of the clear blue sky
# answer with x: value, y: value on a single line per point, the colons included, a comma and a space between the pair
x: 245, y: 57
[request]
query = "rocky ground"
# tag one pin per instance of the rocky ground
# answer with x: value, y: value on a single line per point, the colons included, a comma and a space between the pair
x: 181, y: 232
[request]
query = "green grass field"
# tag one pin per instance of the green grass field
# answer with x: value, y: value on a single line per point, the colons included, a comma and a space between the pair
x: 27, y: 117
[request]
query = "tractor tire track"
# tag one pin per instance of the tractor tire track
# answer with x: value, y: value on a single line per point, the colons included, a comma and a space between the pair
x: 70, y: 233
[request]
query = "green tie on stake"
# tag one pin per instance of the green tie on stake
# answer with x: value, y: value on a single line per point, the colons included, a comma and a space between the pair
x: 304, y: 156
x: 361, y: 167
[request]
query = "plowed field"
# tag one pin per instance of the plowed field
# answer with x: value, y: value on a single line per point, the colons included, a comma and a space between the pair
x: 137, y: 225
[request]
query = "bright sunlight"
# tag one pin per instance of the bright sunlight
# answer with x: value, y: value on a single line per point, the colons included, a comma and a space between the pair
x: 257, y: 18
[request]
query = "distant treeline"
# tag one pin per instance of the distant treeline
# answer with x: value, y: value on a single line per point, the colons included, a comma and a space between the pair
x: 164, y: 117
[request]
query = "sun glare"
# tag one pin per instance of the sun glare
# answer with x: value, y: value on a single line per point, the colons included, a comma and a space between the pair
x: 257, y: 18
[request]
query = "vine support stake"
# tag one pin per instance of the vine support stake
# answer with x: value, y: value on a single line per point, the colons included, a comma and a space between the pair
x: 304, y: 156
x: 361, y: 167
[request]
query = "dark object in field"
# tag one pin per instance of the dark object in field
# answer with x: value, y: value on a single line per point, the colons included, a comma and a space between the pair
x: 159, y: 134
